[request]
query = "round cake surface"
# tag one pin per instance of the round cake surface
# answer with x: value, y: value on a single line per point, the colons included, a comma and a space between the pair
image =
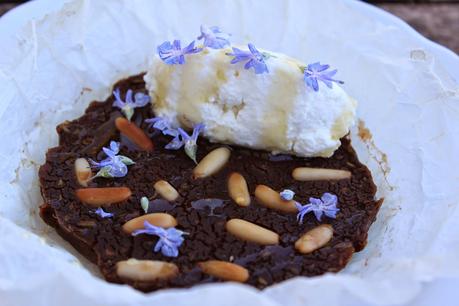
x: 203, y: 208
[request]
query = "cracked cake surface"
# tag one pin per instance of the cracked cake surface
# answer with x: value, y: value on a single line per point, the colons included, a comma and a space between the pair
x: 204, y: 204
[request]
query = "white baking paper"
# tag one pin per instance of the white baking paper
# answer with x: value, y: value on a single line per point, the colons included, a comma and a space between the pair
x: 55, y: 66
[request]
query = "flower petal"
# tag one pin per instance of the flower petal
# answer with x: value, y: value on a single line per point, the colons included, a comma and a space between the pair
x: 101, y: 213
x: 141, y: 99
x: 118, y: 102
x: 190, y: 49
x: 184, y: 135
x: 239, y: 55
x: 252, y: 49
x: 159, y: 245
x: 176, y: 45
x: 175, y: 144
x: 329, y: 198
x: 197, y: 129
x: 318, y: 214
x: 129, y: 97
x: 115, y: 147
x: 158, y: 123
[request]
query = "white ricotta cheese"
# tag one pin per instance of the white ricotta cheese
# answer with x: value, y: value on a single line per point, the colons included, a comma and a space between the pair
x: 273, y: 111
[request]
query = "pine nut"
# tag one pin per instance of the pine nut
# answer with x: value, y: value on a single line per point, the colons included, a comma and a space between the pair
x: 212, y: 163
x: 166, y: 190
x: 251, y: 232
x: 102, y: 196
x: 319, y: 174
x: 225, y: 270
x: 157, y: 219
x: 145, y: 270
x: 82, y: 171
x: 314, y: 239
x: 238, y: 190
x: 272, y: 199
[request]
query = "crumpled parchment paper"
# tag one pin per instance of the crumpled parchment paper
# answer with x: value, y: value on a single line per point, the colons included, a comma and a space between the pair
x: 55, y: 66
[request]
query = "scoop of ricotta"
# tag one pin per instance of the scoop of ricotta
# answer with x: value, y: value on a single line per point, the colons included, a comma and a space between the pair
x: 273, y: 111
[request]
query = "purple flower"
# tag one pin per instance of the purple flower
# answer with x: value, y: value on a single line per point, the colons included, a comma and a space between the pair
x: 161, y: 124
x: 164, y: 126
x: 213, y: 37
x: 173, y: 54
x: 176, y: 143
x: 325, y: 205
x: 181, y: 138
x: 287, y: 194
x: 140, y: 100
x: 189, y: 141
x: 317, y: 72
x: 255, y: 59
x: 101, y: 213
x: 114, y: 165
x: 170, y: 239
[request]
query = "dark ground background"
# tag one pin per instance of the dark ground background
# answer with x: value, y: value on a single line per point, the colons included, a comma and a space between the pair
x: 435, y: 19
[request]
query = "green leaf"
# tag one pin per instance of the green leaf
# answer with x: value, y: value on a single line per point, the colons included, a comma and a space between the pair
x: 190, y: 150
x: 126, y: 160
x: 128, y: 112
x: 104, y: 172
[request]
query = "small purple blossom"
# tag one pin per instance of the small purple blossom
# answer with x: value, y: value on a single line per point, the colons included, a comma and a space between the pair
x: 165, y: 127
x: 190, y: 141
x: 316, y: 72
x: 255, y: 59
x: 325, y: 205
x: 161, y: 124
x: 114, y: 165
x: 170, y: 239
x: 181, y: 138
x: 128, y: 106
x: 101, y: 213
x: 173, y: 54
x: 287, y: 194
x: 213, y: 37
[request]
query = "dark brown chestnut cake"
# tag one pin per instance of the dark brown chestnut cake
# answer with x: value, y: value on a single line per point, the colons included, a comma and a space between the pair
x: 229, y: 219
